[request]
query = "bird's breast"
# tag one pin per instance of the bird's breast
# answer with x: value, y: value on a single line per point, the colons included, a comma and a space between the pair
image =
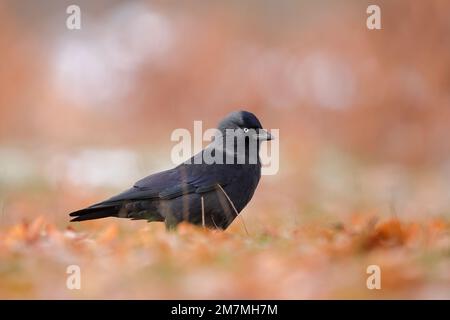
x: 243, y: 187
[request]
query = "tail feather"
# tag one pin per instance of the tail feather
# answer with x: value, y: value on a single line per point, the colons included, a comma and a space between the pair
x: 95, y: 213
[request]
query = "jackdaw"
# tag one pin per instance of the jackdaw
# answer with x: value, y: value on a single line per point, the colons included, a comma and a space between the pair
x: 210, y: 189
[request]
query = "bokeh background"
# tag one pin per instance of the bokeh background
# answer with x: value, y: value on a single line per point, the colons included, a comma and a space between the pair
x: 364, y: 121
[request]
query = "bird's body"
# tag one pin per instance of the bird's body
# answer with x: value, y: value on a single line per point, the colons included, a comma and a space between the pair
x: 211, y: 195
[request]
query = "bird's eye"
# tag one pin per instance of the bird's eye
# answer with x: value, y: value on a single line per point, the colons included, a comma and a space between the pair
x: 245, y: 130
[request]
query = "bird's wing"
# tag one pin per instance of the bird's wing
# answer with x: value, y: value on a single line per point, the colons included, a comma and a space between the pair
x: 197, y: 178
x: 170, y: 184
x: 147, y: 188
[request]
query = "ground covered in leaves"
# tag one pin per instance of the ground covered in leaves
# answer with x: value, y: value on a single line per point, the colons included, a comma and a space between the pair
x: 312, y: 260
x: 364, y: 163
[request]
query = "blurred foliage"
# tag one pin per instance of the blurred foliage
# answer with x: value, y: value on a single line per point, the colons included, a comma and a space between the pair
x: 307, y: 261
x: 363, y: 118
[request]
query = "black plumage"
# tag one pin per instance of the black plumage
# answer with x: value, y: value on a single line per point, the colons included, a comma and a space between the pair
x: 211, y: 195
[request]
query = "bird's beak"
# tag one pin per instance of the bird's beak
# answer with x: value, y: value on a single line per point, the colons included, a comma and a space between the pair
x: 264, y: 135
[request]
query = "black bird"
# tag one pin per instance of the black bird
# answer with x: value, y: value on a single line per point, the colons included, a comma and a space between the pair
x: 205, y: 194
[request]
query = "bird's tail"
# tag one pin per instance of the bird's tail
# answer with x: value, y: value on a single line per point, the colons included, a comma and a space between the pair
x: 96, y: 213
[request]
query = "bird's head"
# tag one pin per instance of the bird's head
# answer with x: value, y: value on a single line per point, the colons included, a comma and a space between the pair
x: 244, y: 123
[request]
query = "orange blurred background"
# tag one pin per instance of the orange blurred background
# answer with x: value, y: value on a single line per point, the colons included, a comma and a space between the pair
x: 363, y: 114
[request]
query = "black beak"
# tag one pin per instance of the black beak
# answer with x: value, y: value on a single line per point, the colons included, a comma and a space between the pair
x: 264, y: 135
